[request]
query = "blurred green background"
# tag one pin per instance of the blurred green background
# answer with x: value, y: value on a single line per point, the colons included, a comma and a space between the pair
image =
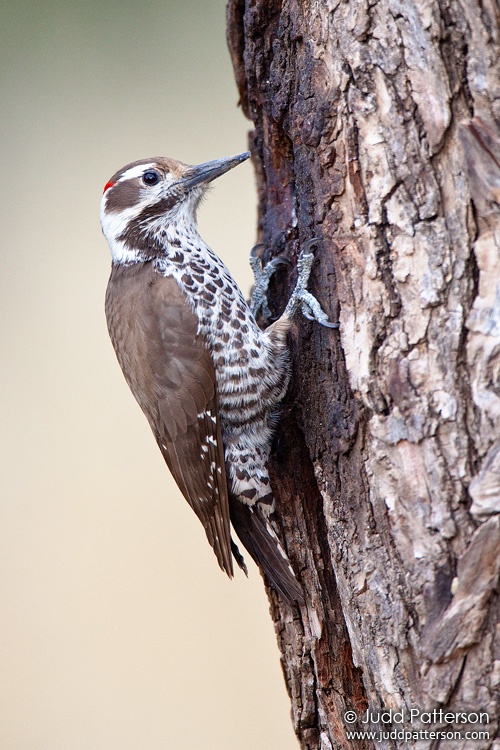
x: 118, y: 631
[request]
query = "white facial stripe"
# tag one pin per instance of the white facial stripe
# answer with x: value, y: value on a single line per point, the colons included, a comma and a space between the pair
x: 136, y: 171
x: 113, y: 224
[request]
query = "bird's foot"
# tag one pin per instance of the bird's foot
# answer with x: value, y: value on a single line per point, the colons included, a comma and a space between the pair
x: 307, y: 302
x: 262, y: 276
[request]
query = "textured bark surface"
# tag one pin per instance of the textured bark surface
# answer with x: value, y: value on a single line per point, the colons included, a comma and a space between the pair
x: 387, y: 466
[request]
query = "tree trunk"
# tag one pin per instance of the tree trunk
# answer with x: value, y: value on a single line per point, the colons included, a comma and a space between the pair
x: 387, y: 464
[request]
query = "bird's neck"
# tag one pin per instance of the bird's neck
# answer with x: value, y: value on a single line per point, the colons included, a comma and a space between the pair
x: 160, y: 241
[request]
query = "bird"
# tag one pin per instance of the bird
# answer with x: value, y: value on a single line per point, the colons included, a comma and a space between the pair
x: 208, y: 379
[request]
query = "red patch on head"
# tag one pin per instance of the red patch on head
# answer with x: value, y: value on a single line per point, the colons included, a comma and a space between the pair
x: 108, y: 185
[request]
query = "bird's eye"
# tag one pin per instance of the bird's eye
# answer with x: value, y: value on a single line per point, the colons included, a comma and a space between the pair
x: 151, y: 177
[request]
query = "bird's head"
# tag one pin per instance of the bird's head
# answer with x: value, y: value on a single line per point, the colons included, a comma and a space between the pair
x: 151, y: 195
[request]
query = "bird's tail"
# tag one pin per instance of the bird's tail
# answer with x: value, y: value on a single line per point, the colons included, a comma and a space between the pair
x: 261, y: 542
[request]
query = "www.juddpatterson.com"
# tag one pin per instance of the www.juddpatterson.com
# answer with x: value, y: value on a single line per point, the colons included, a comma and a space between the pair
x: 419, y: 725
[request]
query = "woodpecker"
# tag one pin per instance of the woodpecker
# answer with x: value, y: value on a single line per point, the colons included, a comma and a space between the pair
x: 208, y: 379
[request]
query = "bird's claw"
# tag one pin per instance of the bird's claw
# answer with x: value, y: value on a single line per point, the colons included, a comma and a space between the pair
x: 301, y: 297
x: 262, y: 276
x: 311, y: 309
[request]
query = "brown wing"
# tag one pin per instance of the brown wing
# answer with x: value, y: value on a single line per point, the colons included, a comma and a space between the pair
x: 171, y: 374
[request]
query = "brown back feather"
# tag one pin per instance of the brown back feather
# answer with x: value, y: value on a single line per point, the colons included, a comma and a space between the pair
x: 171, y: 374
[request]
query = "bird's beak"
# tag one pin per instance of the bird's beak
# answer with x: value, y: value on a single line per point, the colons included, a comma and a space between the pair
x: 202, y: 174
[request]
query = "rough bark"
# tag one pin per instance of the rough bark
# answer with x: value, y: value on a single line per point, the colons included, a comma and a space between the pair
x: 387, y: 465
